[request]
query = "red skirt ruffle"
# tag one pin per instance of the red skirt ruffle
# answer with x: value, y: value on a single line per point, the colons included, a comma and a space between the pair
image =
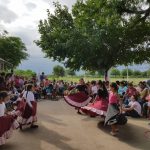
x: 78, y: 100
x: 28, y: 116
x: 7, y: 125
x: 96, y: 109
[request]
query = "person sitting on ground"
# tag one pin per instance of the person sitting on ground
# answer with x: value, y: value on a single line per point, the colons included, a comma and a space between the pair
x: 134, y: 108
x: 148, y: 104
x: 93, y: 89
x: 122, y: 89
x: 142, y: 100
x: 130, y: 91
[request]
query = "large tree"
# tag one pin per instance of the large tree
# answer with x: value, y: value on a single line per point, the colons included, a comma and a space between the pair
x: 58, y: 71
x: 12, y: 49
x: 96, y: 35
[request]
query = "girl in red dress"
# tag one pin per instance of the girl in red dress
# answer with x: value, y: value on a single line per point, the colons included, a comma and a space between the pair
x: 99, y: 106
x: 28, y: 114
x: 7, y: 120
x: 78, y: 97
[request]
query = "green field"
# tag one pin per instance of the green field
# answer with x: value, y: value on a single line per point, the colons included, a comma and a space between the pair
x: 76, y: 79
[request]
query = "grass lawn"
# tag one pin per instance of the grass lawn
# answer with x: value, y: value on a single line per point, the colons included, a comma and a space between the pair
x: 76, y: 79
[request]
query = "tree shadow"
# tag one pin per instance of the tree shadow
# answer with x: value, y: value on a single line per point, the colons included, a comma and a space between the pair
x: 131, y: 134
x: 36, y: 137
x: 51, y: 119
x: 50, y: 136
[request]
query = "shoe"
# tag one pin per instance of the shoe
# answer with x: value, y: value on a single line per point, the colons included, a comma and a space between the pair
x: 79, y: 112
x: 20, y: 126
x: 113, y: 133
x: 34, y: 126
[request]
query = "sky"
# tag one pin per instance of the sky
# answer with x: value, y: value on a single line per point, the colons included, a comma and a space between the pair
x: 21, y: 17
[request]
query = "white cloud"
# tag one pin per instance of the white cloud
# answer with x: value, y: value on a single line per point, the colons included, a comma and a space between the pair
x: 4, y: 2
x: 7, y: 15
x: 25, y: 25
x: 31, y: 6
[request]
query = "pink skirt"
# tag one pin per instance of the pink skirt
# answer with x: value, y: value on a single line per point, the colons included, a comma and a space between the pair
x: 78, y: 100
x: 28, y: 116
x: 98, y: 108
x: 7, y: 125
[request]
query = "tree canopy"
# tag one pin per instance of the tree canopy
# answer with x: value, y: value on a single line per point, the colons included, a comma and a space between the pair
x: 70, y: 72
x: 25, y: 73
x: 12, y: 49
x: 58, y: 71
x: 97, y: 34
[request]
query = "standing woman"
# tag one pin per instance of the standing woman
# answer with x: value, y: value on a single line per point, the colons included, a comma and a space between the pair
x: 78, y: 97
x: 29, y: 117
x: 7, y: 121
x: 113, y: 109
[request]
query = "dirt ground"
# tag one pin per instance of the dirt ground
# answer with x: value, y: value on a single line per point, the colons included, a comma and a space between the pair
x: 60, y: 128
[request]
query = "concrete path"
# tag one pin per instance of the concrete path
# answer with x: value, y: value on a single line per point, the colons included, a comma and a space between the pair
x: 60, y: 128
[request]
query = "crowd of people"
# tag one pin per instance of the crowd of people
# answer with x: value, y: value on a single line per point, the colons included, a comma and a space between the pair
x: 111, y: 101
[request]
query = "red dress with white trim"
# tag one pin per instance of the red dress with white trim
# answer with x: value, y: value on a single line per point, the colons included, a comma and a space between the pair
x: 78, y: 97
x: 98, y: 108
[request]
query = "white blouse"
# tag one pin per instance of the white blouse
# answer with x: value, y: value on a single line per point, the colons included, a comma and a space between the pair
x: 29, y: 96
x: 2, y: 109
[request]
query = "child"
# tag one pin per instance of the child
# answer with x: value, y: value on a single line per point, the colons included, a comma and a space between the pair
x: 29, y: 114
x: 113, y: 109
x: 148, y: 103
x: 7, y: 122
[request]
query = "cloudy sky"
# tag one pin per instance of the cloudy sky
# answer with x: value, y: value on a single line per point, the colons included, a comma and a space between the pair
x: 20, y: 18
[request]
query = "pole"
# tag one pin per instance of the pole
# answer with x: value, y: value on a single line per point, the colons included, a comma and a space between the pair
x: 127, y: 74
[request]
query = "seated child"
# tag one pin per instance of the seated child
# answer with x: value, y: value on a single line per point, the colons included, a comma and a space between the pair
x: 148, y: 103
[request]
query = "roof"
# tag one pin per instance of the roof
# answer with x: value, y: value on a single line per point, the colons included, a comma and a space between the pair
x: 6, y: 62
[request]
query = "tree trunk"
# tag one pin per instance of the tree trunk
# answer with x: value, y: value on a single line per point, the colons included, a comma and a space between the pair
x: 106, y: 75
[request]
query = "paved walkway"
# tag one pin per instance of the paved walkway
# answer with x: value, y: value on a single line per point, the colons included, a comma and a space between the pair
x: 60, y: 128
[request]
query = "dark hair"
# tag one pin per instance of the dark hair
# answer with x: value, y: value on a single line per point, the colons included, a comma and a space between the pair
x: 105, y: 90
x: 93, y: 82
x: 29, y: 87
x: 100, y: 83
x: 135, y: 97
x: 114, y: 85
x: 130, y: 84
x: 3, y: 94
x: 118, y: 82
x: 122, y: 83
x: 101, y: 93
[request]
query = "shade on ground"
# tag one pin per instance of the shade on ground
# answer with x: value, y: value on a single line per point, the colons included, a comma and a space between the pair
x: 60, y: 128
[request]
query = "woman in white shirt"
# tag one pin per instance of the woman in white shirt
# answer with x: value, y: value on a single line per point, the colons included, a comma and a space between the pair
x: 7, y: 122
x: 134, y: 108
x: 29, y: 115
